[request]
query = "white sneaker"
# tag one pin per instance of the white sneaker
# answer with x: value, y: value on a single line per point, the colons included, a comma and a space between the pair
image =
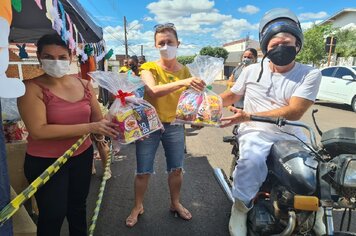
x: 238, y: 219
x: 319, y: 226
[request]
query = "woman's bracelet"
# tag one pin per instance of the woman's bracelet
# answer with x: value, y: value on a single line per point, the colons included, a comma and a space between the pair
x: 100, y: 139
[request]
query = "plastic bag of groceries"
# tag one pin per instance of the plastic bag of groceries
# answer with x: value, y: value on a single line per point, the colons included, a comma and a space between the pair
x: 201, y: 108
x: 136, y: 117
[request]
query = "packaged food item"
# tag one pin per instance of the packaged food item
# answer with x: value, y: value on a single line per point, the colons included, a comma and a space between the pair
x: 188, y: 105
x: 147, y: 118
x: 210, y: 111
x: 129, y: 129
x: 201, y: 108
x: 14, y: 131
x: 136, y: 117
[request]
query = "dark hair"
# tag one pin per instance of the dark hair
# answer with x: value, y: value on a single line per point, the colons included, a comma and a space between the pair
x: 134, y: 58
x: 166, y: 29
x: 142, y: 58
x: 51, y: 39
x: 253, y: 51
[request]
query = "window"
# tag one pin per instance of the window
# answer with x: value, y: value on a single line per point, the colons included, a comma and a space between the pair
x: 328, y: 71
x: 342, y: 71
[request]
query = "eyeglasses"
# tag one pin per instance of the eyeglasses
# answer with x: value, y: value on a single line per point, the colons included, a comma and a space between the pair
x: 166, y: 25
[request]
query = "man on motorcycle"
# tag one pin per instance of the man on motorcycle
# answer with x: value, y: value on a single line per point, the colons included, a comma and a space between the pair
x: 278, y: 87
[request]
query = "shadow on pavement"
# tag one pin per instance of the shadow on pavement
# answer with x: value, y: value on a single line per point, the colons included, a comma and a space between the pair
x: 201, y: 194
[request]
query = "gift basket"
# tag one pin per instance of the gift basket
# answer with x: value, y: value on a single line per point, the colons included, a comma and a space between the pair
x: 140, y: 92
x: 201, y: 108
x: 14, y: 129
x: 136, y: 117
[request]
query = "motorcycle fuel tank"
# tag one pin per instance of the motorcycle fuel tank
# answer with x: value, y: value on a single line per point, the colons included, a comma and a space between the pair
x: 294, y: 165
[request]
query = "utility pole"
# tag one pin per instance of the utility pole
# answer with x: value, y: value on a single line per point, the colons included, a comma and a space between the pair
x: 125, y: 32
x: 247, y: 43
x: 330, y: 49
x: 141, y: 50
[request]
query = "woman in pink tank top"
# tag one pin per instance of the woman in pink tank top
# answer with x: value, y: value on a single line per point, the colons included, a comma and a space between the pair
x: 57, y: 110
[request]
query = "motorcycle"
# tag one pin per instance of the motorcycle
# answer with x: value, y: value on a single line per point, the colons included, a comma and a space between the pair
x: 301, y: 178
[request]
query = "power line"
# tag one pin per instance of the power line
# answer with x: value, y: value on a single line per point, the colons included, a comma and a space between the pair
x: 112, y: 35
x: 125, y: 34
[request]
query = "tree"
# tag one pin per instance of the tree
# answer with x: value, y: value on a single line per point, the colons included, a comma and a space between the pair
x: 346, y: 42
x: 313, y: 50
x: 185, y: 59
x: 214, y: 52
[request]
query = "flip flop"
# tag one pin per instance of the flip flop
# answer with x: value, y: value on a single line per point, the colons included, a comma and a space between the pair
x: 131, y: 221
x: 182, y: 213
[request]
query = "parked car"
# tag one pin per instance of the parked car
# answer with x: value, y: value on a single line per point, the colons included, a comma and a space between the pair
x: 338, y: 84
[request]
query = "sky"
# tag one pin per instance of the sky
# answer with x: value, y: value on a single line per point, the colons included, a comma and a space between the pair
x: 199, y: 23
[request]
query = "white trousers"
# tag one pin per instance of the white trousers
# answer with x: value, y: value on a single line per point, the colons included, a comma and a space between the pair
x: 251, y: 169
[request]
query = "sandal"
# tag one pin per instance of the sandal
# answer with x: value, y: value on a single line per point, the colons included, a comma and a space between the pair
x: 131, y: 221
x: 182, y: 212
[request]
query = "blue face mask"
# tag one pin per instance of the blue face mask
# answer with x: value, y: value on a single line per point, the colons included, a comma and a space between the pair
x: 247, y: 61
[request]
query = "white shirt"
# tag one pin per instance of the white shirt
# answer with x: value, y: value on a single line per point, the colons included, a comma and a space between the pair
x: 275, y: 91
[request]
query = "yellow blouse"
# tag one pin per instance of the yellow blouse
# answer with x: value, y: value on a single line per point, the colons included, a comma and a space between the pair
x: 166, y: 105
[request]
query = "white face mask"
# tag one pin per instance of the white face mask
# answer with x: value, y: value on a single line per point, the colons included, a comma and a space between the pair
x: 168, y: 52
x: 55, y: 68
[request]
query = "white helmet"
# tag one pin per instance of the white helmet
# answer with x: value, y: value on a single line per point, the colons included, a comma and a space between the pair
x: 276, y: 21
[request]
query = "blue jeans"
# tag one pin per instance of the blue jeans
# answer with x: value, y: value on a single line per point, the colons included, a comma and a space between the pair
x: 173, y: 143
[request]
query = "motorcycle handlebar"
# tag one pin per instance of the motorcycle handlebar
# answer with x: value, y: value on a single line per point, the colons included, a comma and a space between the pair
x: 280, y: 121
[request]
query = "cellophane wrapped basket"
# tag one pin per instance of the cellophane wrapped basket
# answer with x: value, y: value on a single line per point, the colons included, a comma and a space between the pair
x: 201, y: 108
x: 136, y: 117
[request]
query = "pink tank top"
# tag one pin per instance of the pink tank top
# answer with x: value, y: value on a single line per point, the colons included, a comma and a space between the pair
x: 60, y: 111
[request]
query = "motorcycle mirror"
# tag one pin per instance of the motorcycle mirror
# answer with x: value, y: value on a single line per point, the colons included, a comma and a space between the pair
x: 314, y: 121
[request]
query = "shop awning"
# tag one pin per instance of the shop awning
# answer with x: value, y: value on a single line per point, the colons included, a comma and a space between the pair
x: 31, y: 23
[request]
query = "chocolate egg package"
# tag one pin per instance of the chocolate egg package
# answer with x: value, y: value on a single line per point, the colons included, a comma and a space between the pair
x: 201, y: 108
x: 136, y: 117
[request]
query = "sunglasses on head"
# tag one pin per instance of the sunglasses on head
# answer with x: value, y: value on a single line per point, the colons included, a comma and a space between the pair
x: 166, y: 25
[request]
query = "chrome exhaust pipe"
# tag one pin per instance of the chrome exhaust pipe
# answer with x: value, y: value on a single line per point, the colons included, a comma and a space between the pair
x: 290, y: 226
x: 221, y: 180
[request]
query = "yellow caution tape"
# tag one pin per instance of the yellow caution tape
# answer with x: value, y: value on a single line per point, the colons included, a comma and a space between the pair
x: 101, y: 194
x: 10, y: 209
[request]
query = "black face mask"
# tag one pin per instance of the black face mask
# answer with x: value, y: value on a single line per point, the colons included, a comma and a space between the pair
x: 133, y: 67
x: 282, y: 55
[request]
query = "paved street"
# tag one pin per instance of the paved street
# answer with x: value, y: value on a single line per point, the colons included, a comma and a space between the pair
x: 201, y: 193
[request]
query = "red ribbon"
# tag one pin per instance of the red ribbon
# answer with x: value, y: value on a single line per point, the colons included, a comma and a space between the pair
x: 122, y: 95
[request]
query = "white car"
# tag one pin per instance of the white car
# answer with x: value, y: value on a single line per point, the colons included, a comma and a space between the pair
x: 338, y: 84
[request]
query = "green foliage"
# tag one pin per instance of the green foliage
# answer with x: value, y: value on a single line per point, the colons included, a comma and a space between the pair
x: 313, y: 50
x: 346, y: 42
x: 214, y: 52
x: 185, y: 59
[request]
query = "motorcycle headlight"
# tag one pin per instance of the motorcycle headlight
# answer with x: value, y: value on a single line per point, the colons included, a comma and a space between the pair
x: 346, y: 173
x: 350, y: 174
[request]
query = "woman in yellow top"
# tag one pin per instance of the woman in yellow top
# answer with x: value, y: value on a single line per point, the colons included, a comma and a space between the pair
x: 165, y: 80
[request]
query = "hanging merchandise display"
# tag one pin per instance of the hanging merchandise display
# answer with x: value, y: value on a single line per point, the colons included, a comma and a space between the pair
x: 88, y: 65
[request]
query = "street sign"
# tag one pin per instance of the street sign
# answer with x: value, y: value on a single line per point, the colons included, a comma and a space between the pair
x: 330, y: 44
